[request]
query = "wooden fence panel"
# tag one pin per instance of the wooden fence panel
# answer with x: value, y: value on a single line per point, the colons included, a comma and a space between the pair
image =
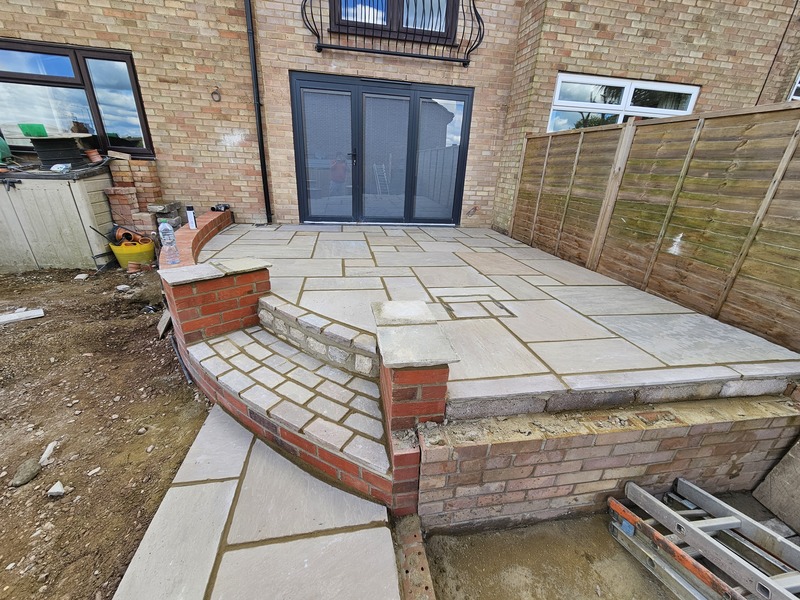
x: 586, y: 196
x: 648, y: 185
x: 533, y: 167
x: 728, y: 177
x: 555, y: 189
x: 697, y: 217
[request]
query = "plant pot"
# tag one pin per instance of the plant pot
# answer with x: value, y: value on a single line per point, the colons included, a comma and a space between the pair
x: 93, y: 156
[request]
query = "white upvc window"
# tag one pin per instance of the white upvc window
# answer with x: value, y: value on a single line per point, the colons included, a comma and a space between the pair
x: 585, y: 101
x: 794, y: 94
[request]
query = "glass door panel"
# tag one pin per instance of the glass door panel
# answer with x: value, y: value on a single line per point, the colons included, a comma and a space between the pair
x: 438, y: 148
x: 327, y: 155
x: 385, y: 156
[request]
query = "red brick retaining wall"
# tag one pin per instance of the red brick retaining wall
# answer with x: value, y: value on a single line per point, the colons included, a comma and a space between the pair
x: 191, y: 241
x: 534, y: 473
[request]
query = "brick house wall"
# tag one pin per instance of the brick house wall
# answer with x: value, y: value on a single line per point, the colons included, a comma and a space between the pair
x: 207, y: 151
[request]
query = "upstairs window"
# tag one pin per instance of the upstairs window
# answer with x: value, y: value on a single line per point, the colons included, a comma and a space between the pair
x: 431, y: 21
x: 795, y: 93
x: 587, y: 101
x: 71, y: 90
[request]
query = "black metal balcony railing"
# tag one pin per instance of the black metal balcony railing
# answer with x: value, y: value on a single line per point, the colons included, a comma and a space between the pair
x: 448, y: 30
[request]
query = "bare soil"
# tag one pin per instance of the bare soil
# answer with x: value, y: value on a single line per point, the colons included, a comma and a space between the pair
x: 92, y: 375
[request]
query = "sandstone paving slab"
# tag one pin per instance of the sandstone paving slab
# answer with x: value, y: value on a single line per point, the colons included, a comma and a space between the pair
x: 451, y: 277
x: 780, y: 369
x: 468, y: 310
x: 400, y: 312
x: 486, y: 350
x: 201, y: 351
x: 374, y: 271
x: 291, y: 415
x: 368, y: 452
x: 496, y: 293
x: 260, y: 398
x: 287, y: 288
x: 549, y: 320
x: 415, y: 346
x: 328, y: 433
x: 694, y: 339
x: 341, y: 249
x: 176, y: 556
x: 327, y: 408
x: 496, y: 263
x: 519, y: 288
x: 317, y: 267
x: 264, y: 251
x: 364, y: 424
x: 586, y: 356
x: 570, y: 274
x: 357, y: 565
x: 190, y: 274
x: 218, y: 451
x: 221, y: 240
x: 614, y: 300
x: 453, y: 246
x: 541, y: 280
x: 343, y: 283
x: 351, y: 307
x: 406, y: 288
x: 651, y: 377
x: 419, y: 259
x: 527, y: 253
x: 279, y: 499
x: 503, y: 387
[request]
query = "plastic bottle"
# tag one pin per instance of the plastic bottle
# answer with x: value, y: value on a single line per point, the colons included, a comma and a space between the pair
x: 190, y: 217
x: 169, y: 246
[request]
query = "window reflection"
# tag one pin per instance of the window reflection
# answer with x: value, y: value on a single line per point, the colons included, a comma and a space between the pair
x: 114, y: 93
x: 588, y: 92
x: 35, y: 63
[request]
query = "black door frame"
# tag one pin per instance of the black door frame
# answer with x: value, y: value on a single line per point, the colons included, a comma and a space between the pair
x: 358, y: 86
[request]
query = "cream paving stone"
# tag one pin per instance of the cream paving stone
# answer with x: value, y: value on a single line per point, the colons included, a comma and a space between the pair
x: 570, y: 274
x: 236, y: 381
x: 205, y: 255
x: 294, y: 392
x: 496, y: 263
x: 307, y: 362
x: 438, y: 311
x: 465, y: 310
x: 401, y: 312
x: 216, y: 366
x: 486, y: 242
x: 265, y: 251
x: 341, y: 235
x: 240, y: 338
x: 327, y: 433
x: 318, y: 267
x: 335, y: 391
x: 176, y: 556
x: 384, y: 248
x: 257, y: 351
x: 519, y: 288
x: 341, y: 249
x: 367, y: 405
x: 226, y: 349
x: 261, y: 234
x: 486, y: 350
x: 331, y: 566
x: 614, y: 300
x: 451, y: 277
x: 443, y: 247
x: 290, y: 414
x: 334, y: 374
x: 541, y: 280
x: 419, y: 259
x: 406, y: 288
x: 503, y: 387
x: 287, y: 288
x: 268, y: 377
x: 495, y: 293
x: 349, y: 307
x: 189, y: 274
x: 599, y: 381
x: 376, y: 241
x: 527, y: 253
x: 327, y: 408
x: 220, y: 241
x: 586, y: 356
x: 366, y: 425
x: 368, y: 388
x: 781, y: 369
x: 260, y: 398
x: 284, y: 349
x: 310, y: 228
x: 218, y: 451
x: 343, y: 283
x: 304, y: 376
x: 279, y: 364
x: 359, y: 262
x: 367, y: 271
x: 368, y: 452
x: 264, y: 337
x: 244, y: 363
x: 454, y: 299
x: 200, y: 351
x: 549, y: 320
x: 415, y: 346
x: 694, y: 339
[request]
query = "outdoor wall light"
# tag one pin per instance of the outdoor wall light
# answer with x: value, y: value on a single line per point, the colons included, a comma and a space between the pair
x: 215, y: 95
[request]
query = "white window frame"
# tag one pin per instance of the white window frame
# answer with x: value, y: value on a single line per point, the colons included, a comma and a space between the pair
x: 794, y: 93
x: 624, y: 109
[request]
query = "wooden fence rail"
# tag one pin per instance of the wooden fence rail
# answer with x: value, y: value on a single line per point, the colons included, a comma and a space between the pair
x: 703, y: 210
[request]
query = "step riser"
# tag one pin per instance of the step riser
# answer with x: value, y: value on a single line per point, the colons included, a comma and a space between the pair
x: 357, y: 355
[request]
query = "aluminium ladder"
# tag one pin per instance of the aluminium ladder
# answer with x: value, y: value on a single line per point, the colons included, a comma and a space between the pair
x: 745, y: 560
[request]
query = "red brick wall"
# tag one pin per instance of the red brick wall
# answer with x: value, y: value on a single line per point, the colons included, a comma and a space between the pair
x: 413, y: 395
x: 721, y: 445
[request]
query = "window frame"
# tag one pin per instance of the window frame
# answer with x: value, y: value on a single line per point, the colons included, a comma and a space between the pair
x: 794, y: 94
x: 82, y: 80
x: 624, y: 109
x: 394, y: 29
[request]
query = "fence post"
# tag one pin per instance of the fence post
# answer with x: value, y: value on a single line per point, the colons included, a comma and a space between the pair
x: 569, y: 191
x: 791, y: 147
x: 610, y: 198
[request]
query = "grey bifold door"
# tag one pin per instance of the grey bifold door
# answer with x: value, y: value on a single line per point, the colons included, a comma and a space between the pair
x: 376, y: 151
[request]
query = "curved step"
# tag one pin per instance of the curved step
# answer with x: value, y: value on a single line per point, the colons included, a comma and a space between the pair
x: 326, y: 416
x: 345, y: 347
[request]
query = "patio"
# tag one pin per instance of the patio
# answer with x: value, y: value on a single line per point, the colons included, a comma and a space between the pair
x: 533, y: 332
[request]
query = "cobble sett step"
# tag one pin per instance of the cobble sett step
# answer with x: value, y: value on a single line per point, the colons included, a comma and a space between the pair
x: 335, y: 409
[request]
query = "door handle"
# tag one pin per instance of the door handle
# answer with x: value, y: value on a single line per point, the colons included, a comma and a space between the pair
x: 11, y: 183
x: 353, y: 156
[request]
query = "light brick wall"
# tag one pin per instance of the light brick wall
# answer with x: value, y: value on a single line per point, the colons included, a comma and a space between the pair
x: 726, y: 47
x: 562, y: 465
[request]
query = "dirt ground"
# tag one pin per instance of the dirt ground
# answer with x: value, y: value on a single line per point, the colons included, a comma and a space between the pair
x: 91, y: 375
x: 575, y: 558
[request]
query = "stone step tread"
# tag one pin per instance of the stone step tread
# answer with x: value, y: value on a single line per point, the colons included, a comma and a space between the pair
x: 330, y: 407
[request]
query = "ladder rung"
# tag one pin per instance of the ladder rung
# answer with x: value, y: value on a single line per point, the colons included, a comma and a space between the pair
x: 790, y: 581
x: 717, y: 524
